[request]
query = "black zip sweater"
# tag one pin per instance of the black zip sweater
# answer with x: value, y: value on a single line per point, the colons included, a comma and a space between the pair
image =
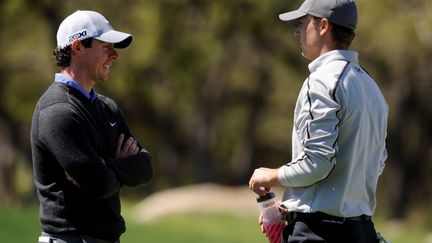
x: 72, y: 137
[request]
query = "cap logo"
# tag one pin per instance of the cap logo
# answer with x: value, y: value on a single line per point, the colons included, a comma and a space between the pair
x: 77, y: 35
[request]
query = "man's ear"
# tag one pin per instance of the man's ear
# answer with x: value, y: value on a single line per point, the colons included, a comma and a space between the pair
x: 325, y: 26
x: 76, y: 47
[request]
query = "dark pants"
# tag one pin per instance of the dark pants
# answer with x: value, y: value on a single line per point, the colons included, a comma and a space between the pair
x: 70, y: 238
x: 307, y: 228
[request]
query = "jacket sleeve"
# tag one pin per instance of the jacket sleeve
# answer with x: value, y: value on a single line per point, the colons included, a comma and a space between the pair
x: 316, y: 132
x: 63, y: 134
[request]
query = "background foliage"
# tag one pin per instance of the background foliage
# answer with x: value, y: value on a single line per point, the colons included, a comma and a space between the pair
x: 209, y: 87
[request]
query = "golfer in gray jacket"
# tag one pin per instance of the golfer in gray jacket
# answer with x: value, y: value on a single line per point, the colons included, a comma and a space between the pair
x: 338, y: 136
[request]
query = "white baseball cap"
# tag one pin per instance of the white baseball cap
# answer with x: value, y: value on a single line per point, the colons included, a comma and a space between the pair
x: 84, y: 24
x: 340, y: 12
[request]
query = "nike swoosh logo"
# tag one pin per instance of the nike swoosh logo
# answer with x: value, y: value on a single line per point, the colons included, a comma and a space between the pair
x: 113, y: 124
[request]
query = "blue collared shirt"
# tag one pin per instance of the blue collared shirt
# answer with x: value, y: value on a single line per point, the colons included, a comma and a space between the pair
x: 66, y: 80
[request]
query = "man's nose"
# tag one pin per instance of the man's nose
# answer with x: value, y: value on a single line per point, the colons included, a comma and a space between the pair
x: 114, y: 55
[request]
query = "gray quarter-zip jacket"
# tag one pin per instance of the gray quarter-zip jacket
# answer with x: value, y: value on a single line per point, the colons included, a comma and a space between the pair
x: 338, y: 139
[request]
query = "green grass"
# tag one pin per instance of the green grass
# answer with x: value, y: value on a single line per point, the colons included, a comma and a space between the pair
x: 18, y: 225
x: 22, y: 225
x: 399, y: 232
x: 196, y: 228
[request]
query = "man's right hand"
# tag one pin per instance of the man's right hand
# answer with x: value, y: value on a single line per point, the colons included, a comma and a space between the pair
x: 126, y: 148
x: 263, y: 179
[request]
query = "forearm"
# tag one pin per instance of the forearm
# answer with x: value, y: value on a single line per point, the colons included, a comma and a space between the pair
x: 304, y: 172
x: 134, y: 170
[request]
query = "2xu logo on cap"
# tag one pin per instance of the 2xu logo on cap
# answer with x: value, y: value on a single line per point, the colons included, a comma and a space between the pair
x: 77, y: 35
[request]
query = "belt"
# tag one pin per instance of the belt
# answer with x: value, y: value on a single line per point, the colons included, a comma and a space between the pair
x: 70, y: 238
x: 326, y: 218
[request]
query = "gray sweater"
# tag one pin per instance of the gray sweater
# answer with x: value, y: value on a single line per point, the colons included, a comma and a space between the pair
x: 74, y: 137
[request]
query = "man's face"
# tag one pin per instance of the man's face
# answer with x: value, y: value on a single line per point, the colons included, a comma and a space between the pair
x: 98, y: 59
x: 308, y: 32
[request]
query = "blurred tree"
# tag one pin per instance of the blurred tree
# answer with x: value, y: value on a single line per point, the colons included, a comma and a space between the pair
x: 209, y: 86
x: 398, y: 49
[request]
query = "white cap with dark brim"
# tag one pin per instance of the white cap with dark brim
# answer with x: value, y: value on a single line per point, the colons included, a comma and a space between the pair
x: 84, y: 24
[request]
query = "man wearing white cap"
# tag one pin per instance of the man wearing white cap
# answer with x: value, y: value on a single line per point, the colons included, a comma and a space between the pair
x: 338, y: 137
x: 83, y: 151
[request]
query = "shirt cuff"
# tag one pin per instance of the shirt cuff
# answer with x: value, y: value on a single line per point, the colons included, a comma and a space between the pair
x: 282, y: 176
